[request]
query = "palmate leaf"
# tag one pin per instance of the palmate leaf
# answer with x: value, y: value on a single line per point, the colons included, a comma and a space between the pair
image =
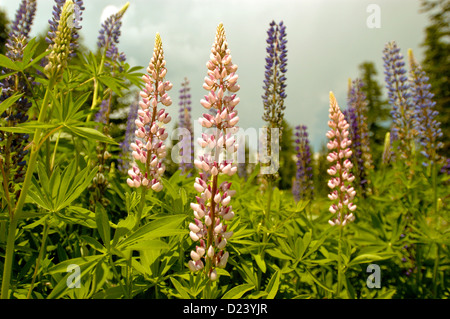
x: 58, y: 191
x: 160, y: 227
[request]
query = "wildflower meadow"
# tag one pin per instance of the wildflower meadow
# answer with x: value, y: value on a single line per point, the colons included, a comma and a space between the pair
x: 157, y: 204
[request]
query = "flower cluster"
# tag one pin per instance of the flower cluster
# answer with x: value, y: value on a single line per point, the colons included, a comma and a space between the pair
x: 60, y: 48
x: 400, y: 99
x: 340, y: 183
x: 274, y: 94
x: 185, y: 123
x: 359, y: 134
x: 20, y: 29
x: 74, y: 24
x: 429, y: 131
x: 109, y: 36
x: 212, y: 208
x: 275, y: 78
x: 303, y: 184
x: 149, y: 149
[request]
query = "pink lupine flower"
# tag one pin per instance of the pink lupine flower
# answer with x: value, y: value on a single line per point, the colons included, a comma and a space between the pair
x: 343, y: 193
x: 149, y: 149
x: 212, y: 208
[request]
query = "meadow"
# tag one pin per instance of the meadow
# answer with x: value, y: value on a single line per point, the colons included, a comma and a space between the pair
x: 93, y: 207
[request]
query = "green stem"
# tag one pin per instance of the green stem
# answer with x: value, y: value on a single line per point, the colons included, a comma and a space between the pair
x: 9, y: 253
x: 435, y: 270
x: 434, y: 182
x: 95, y: 96
x: 119, y: 281
x: 52, y: 162
x: 41, y: 253
x: 264, y: 223
x: 141, y: 208
x: 339, y: 281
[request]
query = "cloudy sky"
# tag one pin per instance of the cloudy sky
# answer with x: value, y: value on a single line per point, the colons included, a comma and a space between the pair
x: 327, y: 40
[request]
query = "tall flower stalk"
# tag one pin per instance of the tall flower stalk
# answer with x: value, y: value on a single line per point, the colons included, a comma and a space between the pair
x: 428, y: 128
x: 107, y: 43
x: 149, y: 149
x: 108, y: 40
x: 342, y: 193
x: 274, y: 87
x: 212, y: 208
x: 185, y: 122
x: 402, y: 112
x: 59, y: 53
x: 359, y: 134
x: 303, y: 184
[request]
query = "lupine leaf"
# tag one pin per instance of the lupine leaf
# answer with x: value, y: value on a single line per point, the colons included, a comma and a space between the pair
x: 272, y: 286
x: 9, y: 101
x: 238, y: 291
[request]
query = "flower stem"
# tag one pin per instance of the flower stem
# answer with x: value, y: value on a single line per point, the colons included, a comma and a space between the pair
x: 41, y: 253
x: 339, y: 279
x: 14, y: 218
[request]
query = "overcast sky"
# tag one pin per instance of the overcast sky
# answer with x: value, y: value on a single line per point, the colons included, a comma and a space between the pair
x: 327, y: 40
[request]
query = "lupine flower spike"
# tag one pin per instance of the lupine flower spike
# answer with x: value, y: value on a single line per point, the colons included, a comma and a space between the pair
x: 109, y: 36
x: 212, y: 208
x: 356, y: 115
x: 303, y: 183
x: 149, y: 149
x: 74, y: 24
x: 400, y: 99
x: 60, y: 49
x: 274, y: 89
x: 342, y: 193
x: 429, y: 131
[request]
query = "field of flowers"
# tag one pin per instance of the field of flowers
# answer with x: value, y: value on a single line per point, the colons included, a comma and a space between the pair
x: 95, y: 209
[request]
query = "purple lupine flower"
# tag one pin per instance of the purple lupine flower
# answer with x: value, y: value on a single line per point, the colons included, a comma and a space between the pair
x: 109, y: 36
x: 187, y: 142
x: 149, y: 148
x: 212, y: 208
x: 446, y: 168
x: 359, y: 134
x: 275, y: 75
x: 303, y: 183
x: 74, y: 24
x: 20, y: 29
x: 428, y: 128
x: 343, y: 193
x: 400, y: 99
x: 125, y: 145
